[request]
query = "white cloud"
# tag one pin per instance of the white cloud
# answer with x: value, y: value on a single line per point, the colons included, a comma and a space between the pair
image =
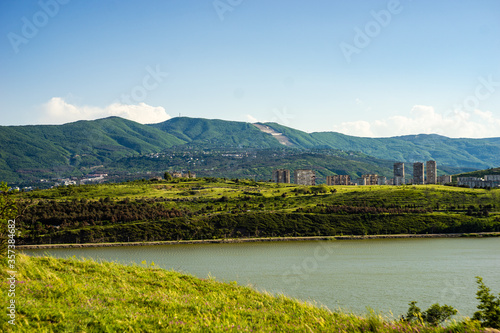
x: 251, y: 118
x: 425, y: 120
x: 58, y: 111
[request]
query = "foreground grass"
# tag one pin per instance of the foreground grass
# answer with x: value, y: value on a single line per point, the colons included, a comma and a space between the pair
x: 70, y: 295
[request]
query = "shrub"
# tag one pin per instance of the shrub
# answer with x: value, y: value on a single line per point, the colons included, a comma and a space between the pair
x: 434, y: 315
x: 489, y: 306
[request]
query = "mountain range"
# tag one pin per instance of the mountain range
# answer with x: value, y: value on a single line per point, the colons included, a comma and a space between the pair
x: 30, y: 152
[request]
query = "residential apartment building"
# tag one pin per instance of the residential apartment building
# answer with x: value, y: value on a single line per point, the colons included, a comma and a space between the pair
x: 338, y: 180
x: 418, y: 173
x: 399, y: 173
x: 431, y: 167
x: 444, y: 179
x: 281, y: 176
x: 370, y: 179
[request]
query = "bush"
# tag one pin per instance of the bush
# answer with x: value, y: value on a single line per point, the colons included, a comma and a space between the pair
x: 434, y: 315
x: 489, y: 306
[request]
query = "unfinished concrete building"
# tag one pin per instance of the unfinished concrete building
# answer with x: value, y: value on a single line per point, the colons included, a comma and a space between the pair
x: 399, y: 173
x: 418, y: 173
x: 281, y: 176
x: 431, y: 167
x: 338, y: 180
x: 305, y: 177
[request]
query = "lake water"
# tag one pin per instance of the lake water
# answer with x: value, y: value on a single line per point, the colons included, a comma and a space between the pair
x: 380, y: 274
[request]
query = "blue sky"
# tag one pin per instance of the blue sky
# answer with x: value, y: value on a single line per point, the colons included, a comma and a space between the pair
x: 367, y: 68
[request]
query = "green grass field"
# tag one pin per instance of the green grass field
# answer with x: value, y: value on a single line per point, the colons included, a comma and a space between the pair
x: 221, y: 208
x: 71, y: 295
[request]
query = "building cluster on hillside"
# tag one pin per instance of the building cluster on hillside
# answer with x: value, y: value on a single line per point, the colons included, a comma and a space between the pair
x: 94, y: 178
x: 487, y: 182
x: 307, y: 176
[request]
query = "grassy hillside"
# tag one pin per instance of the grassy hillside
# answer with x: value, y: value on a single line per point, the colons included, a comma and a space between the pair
x: 64, y: 149
x: 479, y: 173
x: 70, y: 295
x: 216, y: 208
x: 258, y: 164
x: 217, y: 133
x: 471, y: 153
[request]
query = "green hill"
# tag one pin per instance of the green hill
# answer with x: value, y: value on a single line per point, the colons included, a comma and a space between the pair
x: 259, y: 163
x: 458, y: 153
x: 480, y: 173
x: 64, y: 149
x: 463, y: 153
x: 217, y: 133
x: 28, y: 153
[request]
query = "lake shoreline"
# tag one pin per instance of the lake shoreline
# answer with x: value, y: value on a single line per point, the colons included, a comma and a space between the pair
x: 248, y: 240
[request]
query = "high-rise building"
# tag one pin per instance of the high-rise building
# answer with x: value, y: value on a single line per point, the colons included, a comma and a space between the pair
x: 431, y: 172
x: 281, y: 176
x: 418, y: 173
x: 305, y: 177
x: 399, y: 173
x: 338, y: 180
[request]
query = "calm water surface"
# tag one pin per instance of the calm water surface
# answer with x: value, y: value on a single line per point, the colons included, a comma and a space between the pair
x: 380, y: 274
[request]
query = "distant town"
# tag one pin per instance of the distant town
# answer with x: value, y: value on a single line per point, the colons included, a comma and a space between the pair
x: 422, y: 174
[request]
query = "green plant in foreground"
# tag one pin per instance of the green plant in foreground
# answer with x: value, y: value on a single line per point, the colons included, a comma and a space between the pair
x: 434, y: 315
x: 489, y: 306
x: 70, y: 295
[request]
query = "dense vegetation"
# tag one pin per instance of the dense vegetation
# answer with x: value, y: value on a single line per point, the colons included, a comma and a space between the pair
x: 258, y: 163
x: 70, y: 295
x: 44, y: 151
x: 210, y: 208
x: 479, y: 173
x: 29, y: 153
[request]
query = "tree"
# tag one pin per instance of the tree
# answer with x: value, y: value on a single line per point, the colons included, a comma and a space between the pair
x: 434, y: 315
x: 414, y: 313
x: 489, y: 306
x: 167, y: 176
x: 8, y: 211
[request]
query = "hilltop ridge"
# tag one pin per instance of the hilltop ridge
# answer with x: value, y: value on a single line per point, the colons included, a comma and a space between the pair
x: 38, y: 151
